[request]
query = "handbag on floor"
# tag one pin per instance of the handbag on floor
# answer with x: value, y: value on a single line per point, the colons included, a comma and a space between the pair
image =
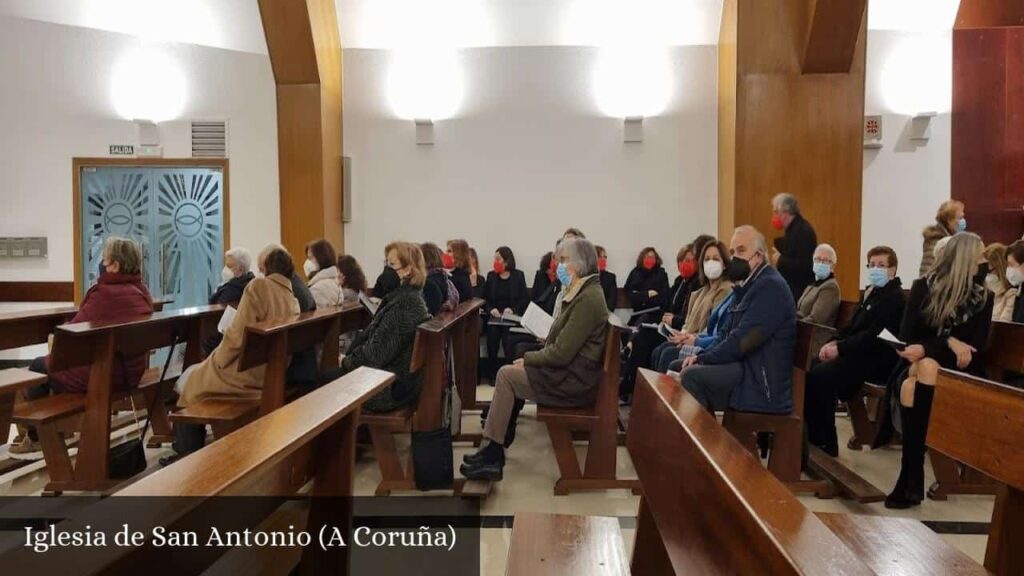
x: 432, y: 457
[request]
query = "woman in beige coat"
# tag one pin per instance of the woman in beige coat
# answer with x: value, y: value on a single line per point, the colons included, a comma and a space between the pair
x: 267, y: 298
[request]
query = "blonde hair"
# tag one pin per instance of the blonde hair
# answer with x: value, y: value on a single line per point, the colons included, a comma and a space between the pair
x: 995, y: 255
x: 952, y: 278
x: 125, y: 252
x: 947, y: 212
x: 409, y: 255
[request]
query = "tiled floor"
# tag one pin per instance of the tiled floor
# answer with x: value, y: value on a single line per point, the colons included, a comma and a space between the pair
x: 531, y: 472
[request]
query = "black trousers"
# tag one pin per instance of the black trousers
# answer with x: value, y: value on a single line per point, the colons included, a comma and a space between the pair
x: 841, y: 378
x: 497, y: 336
x: 520, y: 344
x: 644, y: 343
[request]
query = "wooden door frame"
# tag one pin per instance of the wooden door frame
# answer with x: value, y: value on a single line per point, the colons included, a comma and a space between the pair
x: 106, y: 162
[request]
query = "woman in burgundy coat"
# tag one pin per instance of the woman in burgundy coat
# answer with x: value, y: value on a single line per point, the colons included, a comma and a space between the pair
x: 119, y: 295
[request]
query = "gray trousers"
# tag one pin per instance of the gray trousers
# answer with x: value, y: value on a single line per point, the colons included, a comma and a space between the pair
x: 712, y: 385
x: 510, y: 384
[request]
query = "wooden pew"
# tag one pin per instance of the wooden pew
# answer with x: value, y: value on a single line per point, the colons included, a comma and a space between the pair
x: 98, y: 345
x: 600, y: 423
x: 709, y: 507
x: 18, y: 329
x: 271, y: 344
x: 561, y: 545
x: 308, y: 443
x: 979, y: 422
x: 428, y: 358
x: 13, y: 381
x: 466, y: 354
x: 1004, y: 356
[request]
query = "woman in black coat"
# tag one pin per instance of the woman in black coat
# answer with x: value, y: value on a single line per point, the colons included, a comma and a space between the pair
x: 456, y: 259
x: 545, y: 284
x: 609, y: 284
x: 506, y: 293
x: 647, y: 285
x: 435, y: 288
x: 945, y: 325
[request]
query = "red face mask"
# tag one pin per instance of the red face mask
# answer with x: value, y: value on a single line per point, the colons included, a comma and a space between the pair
x: 777, y: 222
x: 649, y: 262
x: 499, y: 267
x: 687, y: 268
x: 602, y: 264
x: 448, y: 260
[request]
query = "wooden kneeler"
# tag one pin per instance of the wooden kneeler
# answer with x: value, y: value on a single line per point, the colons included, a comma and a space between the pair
x: 600, y: 422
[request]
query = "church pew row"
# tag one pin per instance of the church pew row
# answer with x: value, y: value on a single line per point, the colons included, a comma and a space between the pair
x: 311, y: 440
x: 99, y: 345
x: 689, y: 464
x: 271, y: 344
x: 430, y: 359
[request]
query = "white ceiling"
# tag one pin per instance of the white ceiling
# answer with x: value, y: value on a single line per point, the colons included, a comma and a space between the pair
x: 235, y: 24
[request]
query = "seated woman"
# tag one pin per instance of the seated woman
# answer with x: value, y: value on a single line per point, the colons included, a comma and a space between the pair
x: 475, y: 279
x: 946, y: 325
x: 350, y: 278
x: 1015, y: 276
x: 265, y: 299
x: 855, y: 354
x: 439, y: 293
x: 1004, y: 293
x: 609, y: 284
x: 819, y: 303
x: 235, y: 276
x: 545, y: 284
x: 456, y: 259
x: 647, y: 283
x: 566, y: 372
x: 118, y: 295
x: 386, y: 282
x: 506, y: 294
x: 698, y: 331
x: 322, y: 274
x: 387, y: 342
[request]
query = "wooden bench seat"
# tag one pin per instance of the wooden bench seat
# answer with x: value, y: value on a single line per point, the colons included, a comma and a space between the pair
x: 222, y: 415
x: 13, y: 381
x: 865, y: 415
x: 49, y: 409
x: 600, y: 422
x: 564, y: 545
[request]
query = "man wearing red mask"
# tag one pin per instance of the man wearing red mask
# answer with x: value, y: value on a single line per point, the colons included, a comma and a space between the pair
x: 793, y: 253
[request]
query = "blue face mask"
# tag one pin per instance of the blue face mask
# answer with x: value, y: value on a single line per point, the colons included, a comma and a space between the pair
x: 563, y: 274
x: 878, y: 276
x: 822, y: 270
x: 961, y: 225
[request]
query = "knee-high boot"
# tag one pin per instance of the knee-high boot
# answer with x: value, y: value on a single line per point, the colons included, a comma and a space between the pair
x: 909, y: 490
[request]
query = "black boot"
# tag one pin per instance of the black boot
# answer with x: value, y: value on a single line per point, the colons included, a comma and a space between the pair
x: 188, y: 438
x: 489, y: 466
x: 909, y: 490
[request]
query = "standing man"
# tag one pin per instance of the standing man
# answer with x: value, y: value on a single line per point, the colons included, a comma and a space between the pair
x: 793, y: 254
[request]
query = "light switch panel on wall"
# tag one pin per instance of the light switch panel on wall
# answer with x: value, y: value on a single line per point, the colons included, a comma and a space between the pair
x: 32, y: 247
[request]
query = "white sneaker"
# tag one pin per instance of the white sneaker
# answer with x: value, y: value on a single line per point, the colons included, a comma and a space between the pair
x: 26, y: 449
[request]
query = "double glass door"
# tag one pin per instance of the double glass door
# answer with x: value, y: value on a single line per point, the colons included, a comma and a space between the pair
x: 175, y: 213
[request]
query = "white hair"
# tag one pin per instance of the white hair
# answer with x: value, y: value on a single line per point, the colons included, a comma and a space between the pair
x: 829, y: 250
x: 760, y: 244
x: 241, y: 257
x: 786, y: 203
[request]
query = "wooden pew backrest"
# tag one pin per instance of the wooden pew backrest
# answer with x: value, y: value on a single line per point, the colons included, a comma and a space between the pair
x: 717, y: 509
x: 30, y: 327
x: 1005, y: 351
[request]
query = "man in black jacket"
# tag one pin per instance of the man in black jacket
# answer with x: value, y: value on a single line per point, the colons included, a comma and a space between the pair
x: 793, y: 254
x: 855, y: 354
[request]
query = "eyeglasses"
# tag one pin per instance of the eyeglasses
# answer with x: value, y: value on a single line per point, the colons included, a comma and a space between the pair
x: 822, y: 261
x: 870, y: 266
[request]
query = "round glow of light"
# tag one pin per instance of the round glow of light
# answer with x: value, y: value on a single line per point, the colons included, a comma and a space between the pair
x: 918, y: 76
x: 425, y: 83
x: 148, y: 85
x: 632, y: 81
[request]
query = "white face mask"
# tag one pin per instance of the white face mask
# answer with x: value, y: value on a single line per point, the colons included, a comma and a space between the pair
x: 1014, y: 276
x: 713, y: 269
x: 309, y: 267
x: 226, y: 274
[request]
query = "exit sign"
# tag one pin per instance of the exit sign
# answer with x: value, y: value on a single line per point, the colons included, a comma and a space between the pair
x: 122, y: 150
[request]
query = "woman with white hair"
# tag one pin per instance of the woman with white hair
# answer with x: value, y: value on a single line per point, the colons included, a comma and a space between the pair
x: 820, y: 301
x: 235, y: 276
x: 945, y: 325
x: 565, y: 373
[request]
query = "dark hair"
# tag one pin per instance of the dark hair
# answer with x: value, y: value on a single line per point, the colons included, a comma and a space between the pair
x: 431, y: 256
x: 723, y: 252
x: 640, y: 257
x: 545, y: 261
x: 1017, y: 251
x: 323, y: 253
x: 600, y: 250
x: 279, y: 262
x: 508, y: 257
x: 889, y: 253
x: 353, y: 273
x: 700, y: 242
x: 574, y: 232
x: 681, y: 254
x: 460, y: 252
x: 474, y: 259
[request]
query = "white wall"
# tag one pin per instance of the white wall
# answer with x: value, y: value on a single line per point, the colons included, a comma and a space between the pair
x: 904, y: 181
x: 528, y: 155
x: 55, y: 105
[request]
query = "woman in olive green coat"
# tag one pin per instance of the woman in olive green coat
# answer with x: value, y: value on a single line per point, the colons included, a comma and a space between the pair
x: 565, y: 373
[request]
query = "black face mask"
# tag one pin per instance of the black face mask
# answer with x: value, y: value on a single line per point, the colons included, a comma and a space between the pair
x: 983, y: 271
x: 738, y: 270
x: 102, y: 269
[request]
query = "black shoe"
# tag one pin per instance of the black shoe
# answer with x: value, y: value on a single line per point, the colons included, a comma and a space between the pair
x: 832, y: 451
x: 482, y: 471
x: 900, y: 502
x: 168, y: 460
x: 477, y: 457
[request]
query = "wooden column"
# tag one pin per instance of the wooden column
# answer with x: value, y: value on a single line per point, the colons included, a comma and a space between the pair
x: 305, y: 54
x: 988, y: 116
x: 791, y: 112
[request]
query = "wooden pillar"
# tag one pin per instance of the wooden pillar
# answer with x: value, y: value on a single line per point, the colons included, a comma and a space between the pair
x: 988, y: 116
x: 791, y: 113
x: 305, y: 54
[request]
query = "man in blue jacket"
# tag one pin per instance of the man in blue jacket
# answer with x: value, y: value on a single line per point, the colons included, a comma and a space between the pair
x: 751, y: 368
